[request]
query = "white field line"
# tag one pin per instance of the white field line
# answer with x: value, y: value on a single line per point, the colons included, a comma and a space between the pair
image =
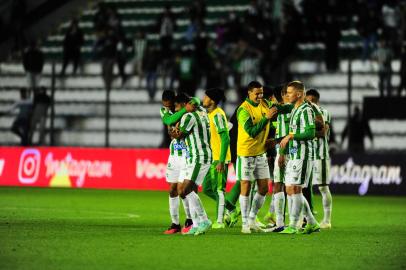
x: 111, y: 215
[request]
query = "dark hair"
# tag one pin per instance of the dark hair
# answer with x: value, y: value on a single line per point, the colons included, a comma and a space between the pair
x: 216, y: 94
x: 254, y: 84
x: 313, y: 92
x: 182, y: 98
x: 278, y: 91
x: 269, y: 91
x: 298, y: 85
x: 168, y: 95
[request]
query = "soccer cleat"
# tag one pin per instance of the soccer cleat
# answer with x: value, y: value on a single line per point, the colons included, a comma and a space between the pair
x: 255, y: 227
x: 289, y: 230
x: 259, y: 223
x: 174, y: 228
x: 269, y: 219
x: 234, y: 217
x: 218, y: 226
x: 191, y: 231
x: 227, y: 218
x: 203, y: 227
x: 188, y: 226
x: 245, y: 229
x: 325, y: 225
x: 311, y: 228
x: 278, y: 229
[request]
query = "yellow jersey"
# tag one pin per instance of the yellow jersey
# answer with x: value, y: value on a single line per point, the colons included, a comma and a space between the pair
x: 218, y: 124
x: 253, y: 129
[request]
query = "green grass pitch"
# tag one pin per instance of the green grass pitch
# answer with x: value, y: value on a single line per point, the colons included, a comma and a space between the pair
x: 114, y: 229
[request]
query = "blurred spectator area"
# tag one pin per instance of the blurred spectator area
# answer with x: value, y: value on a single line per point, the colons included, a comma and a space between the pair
x: 135, y: 120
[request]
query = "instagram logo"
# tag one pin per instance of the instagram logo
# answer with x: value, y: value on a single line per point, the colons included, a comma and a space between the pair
x: 29, y: 166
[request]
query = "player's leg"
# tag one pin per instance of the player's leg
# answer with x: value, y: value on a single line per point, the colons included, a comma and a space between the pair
x: 261, y: 173
x: 326, y: 194
x: 196, y: 174
x: 189, y: 221
x: 294, y: 179
x: 172, y: 175
x: 221, y: 179
x: 312, y: 224
x: 244, y: 175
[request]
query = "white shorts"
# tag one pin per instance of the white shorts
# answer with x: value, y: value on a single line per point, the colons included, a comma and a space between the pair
x: 253, y: 168
x: 176, y: 169
x: 279, y: 173
x: 321, y: 172
x: 298, y: 172
x: 197, y: 172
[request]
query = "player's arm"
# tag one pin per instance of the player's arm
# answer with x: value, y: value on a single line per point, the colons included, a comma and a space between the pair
x: 220, y: 123
x: 245, y: 120
x: 185, y: 126
x: 171, y: 119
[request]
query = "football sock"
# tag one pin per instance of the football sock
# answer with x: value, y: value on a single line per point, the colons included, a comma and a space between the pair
x: 257, y: 203
x: 308, y: 213
x: 220, y: 206
x: 279, y: 207
x: 244, y: 205
x: 174, y: 209
x: 187, y: 208
x: 296, y: 209
x: 195, y: 202
x: 272, y: 204
x: 327, y: 203
x: 232, y: 196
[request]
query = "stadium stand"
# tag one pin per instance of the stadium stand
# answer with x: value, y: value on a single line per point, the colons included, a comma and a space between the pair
x: 135, y: 122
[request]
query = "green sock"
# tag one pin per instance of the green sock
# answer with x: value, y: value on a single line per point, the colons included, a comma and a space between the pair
x: 233, y: 196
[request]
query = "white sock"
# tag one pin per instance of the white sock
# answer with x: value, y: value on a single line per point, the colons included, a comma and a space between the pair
x: 245, y: 208
x: 193, y: 213
x: 195, y: 202
x: 187, y: 209
x: 290, y: 203
x: 220, y: 209
x: 279, y: 207
x: 307, y: 212
x: 257, y: 203
x: 174, y: 209
x: 327, y: 203
x: 272, y: 204
x: 296, y: 209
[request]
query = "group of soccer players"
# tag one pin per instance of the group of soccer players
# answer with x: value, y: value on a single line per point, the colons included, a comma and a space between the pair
x: 200, y: 156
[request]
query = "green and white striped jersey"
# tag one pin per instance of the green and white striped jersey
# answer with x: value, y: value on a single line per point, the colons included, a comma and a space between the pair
x: 197, y: 129
x: 282, y: 126
x: 322, y: 147
x: 301, y: 118
x: 177, y: 146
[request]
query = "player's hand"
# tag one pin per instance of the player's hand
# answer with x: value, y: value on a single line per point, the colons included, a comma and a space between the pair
x: 286, y: 140
x: 220, y: 167
x: 271, y: 113
x: 281, y: 161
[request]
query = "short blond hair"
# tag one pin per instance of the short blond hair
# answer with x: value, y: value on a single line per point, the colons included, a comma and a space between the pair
x: 297, y: 85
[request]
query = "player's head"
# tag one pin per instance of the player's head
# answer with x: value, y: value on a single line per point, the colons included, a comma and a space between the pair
x: 255, y: 91
x: 313, y: 96
x: 180, y: 101
x: 284, y: 95
x: 168, y: 98
x: 295, y: 92
x: 213, y: 96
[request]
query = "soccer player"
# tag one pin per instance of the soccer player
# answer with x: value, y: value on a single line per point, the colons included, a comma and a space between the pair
x: 214, y: 184
x: 194, y: 127
x: 176, y: 163
x: 278, y: 198
x: 321, y: 167
x: 299, y: 167
x: 252, y: 164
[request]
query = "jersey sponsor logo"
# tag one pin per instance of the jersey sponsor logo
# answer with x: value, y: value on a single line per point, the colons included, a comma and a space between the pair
x: 29, y: 166
x: 351, y: 173
x: 179, y: 146
x: 293, y: 150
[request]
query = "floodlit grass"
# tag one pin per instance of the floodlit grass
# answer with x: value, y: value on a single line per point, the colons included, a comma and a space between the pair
x: 114, y: 229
